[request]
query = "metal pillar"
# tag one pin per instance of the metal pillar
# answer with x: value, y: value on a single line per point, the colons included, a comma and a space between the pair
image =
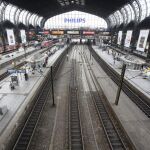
x: 52, y: 86
x: 121, y: 83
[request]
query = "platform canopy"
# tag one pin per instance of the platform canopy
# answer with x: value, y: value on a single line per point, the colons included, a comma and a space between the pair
x: 75, y: 20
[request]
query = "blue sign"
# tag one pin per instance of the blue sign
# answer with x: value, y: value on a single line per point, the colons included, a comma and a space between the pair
x: 16, y: 71
x: 74, y: 20
x: 21, y: 71
x: 11, y: 71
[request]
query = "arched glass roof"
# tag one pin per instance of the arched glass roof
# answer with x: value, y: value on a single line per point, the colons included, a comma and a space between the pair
x: 74, y: 20
x: 16, y: 15
x: 137, y: 11
x: 119, y: 17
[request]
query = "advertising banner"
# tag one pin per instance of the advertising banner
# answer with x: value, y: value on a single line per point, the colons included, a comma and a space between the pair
x: 55, y: 32
x: 23, y: 36
x: 142, y: 41
x: 128, y: 38
x: 88, y: 32
x: 73, y: 32
x: 119, y: 37
x: 10, y: 36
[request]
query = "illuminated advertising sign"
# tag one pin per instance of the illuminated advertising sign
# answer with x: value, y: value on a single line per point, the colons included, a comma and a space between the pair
x: 73, y: 32
x: 128, y: 38
x: 74, y: 20
x: 104, y: 33
x: 57, y: 32
x: 142, y: 41
x: 46, y: 32
x: 10, y: 37
x: 119, y: 37
x: 88, y: 32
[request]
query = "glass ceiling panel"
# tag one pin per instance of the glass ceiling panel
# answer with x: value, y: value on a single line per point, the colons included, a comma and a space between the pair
x: 119, y: 17
x: 137, y: 10
x: 143, y: 9
x: 125, y: 15
x: 130, y: 13
x: 71, y: 2
x: 39, y: 21
x: 12, y: 14
x: 7, y: 12
x: 15, y: 15
x: 24, y: 21
x: 148, y: 7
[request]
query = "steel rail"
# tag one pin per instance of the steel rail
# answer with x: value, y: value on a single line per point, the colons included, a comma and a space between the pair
x: 142, y: 101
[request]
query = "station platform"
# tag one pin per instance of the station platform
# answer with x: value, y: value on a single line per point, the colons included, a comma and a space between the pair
x: 17, y: 100
x: 32, y: 51
x: 134, y: 121
x: 15, y: 54
x: 6, y: 60
x: 135, y: 77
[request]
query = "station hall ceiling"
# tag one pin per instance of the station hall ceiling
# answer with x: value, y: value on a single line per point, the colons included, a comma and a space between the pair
x: 50, y: 8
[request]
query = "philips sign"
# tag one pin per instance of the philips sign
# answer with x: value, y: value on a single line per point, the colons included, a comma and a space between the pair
x: 74, y: 20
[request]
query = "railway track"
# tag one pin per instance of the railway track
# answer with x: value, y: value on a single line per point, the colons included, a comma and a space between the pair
x: 31, y: 123
x: 75, y: 131
x: 114, y: 138
x: 25, y: 136
x: 134, y: 94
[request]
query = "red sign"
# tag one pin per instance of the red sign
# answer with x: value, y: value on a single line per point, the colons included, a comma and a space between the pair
x: 88, y: 32
x: 46, y: 32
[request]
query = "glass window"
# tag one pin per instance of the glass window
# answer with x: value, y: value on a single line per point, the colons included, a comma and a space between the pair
x: 137, y: 10
x: 24, y: 18
x: 119, y: 17
x: 113, y: 20
x: 21, y: 16
x: 148, y: 7
x: 39, y: 21
x: 2, y: 7
x: 12, y: 14
x: 32, y: 18
x: 75, y: 19
x: 130, y: 13
x: 7, y: 12
x: 17, y: 16
x: 28, y: 17
x: 143, y: 9
x: 124, y: 13
x: 36, y: 19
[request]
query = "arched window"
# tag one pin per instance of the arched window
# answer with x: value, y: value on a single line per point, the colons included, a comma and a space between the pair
x: 75, y: 19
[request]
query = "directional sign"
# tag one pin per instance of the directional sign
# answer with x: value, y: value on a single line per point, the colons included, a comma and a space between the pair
x: 16, y: 71
x: 21, y: 71
x: 11, y: 71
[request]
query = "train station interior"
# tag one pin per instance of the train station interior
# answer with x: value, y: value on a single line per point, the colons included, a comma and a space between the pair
x: 74, y: 75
